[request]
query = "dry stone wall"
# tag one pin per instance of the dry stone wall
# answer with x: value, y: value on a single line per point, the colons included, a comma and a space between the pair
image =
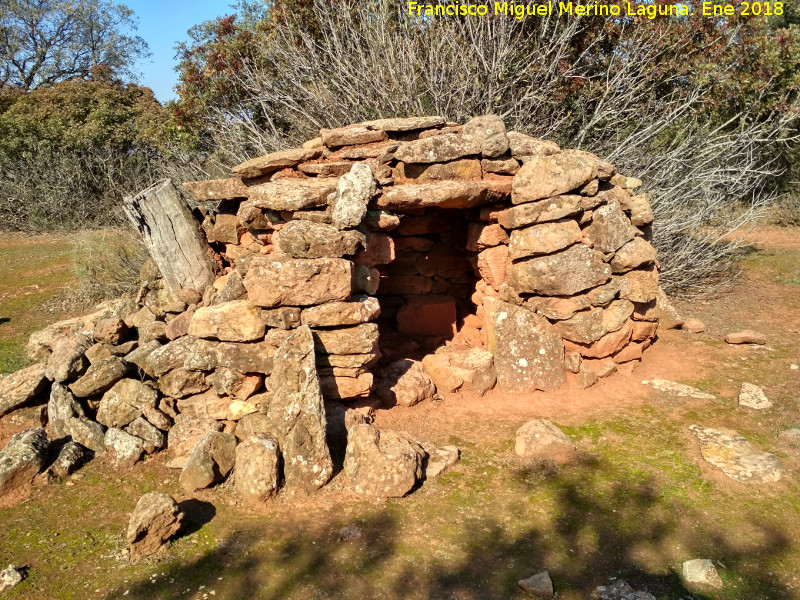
x: 391, y: 237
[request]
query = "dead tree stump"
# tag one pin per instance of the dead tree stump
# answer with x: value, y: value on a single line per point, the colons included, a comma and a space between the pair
x: 162, y: 217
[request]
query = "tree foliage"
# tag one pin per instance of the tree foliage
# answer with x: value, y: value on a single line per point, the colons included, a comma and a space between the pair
x: 70, y: 151
x: 43, y: 42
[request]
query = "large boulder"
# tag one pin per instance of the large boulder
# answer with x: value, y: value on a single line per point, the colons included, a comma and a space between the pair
x: 21, y: 460
x: 257, y: 468
x: 528, y: 350
x: 382, y: 463
x: 210, y: 462
x: 100, y: 377
x: 540, y: 439
x: 297, y: 414
x: 21, y: 387
x: 153, y: 523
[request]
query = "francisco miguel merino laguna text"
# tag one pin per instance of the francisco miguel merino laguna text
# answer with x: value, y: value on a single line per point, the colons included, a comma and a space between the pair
x: 520, y: 10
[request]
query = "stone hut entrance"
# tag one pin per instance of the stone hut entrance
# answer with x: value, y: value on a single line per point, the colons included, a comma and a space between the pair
x: 426, y: 290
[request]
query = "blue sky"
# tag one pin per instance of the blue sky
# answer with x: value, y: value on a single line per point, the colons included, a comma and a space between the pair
x: 162, y: 24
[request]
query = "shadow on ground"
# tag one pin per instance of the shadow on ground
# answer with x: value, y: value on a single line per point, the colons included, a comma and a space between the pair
x: 598, y: 531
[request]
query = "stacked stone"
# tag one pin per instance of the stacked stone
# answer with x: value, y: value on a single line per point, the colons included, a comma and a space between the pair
x: 396, y: 209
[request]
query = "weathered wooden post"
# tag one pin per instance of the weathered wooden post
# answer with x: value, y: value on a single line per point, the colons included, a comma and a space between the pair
x: 162, y: 217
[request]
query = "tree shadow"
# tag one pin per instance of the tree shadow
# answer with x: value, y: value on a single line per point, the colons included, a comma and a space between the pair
x: 4, y: 320
x: 599, y: 531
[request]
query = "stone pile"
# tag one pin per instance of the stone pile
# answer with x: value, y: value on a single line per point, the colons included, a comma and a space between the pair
x: 493, y: 257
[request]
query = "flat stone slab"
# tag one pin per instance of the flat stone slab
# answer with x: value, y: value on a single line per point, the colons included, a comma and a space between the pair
x: 678, y: 389
x: 736, y: 457
x: 753, y: 396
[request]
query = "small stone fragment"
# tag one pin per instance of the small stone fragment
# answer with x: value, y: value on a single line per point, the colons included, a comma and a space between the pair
x: 10, y: 577
x: 538, y: 586
x: 701, y: 572
x: 748, y: 336
x: 678, y: 389
x: 736, y: 457
x: 694, y: 326
x: 540, y: 439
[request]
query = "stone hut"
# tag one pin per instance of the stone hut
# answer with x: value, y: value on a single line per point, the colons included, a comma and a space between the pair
x: 485, y: 253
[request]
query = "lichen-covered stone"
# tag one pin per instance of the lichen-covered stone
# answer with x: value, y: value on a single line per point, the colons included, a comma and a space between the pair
x: 21, y: 460
x: 563, y: 273
x: 21, y: 387
x: 257, y: 468
x: 528, y: 350
x: 298, y: 415
x: 305, y: 239
x: 382, y: 463
x: 210, y: 462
